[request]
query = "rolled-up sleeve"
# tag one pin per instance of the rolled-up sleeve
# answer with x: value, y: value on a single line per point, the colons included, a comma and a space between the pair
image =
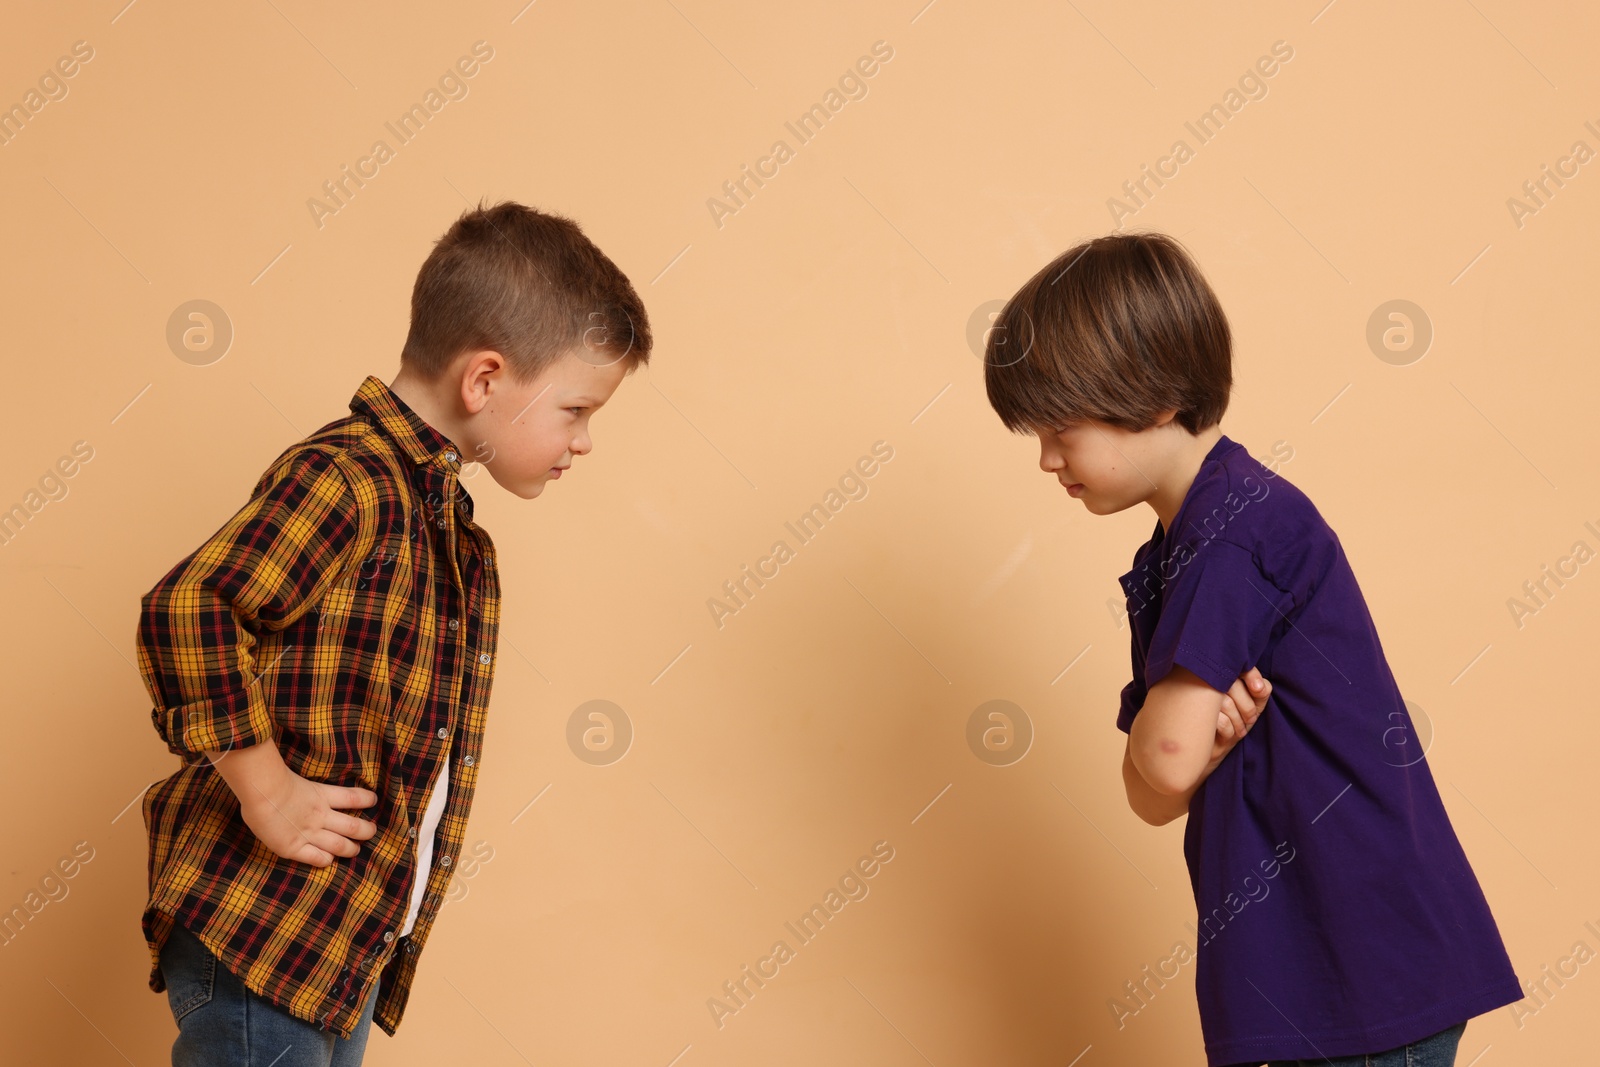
x: 199, y: 627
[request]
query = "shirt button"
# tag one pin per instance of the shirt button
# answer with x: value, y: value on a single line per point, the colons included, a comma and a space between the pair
x: 440, y: 524
x: 411, y: 832
x: 388, y: 936
x: 444, y: 732
x: 455, y: 624
x: 444, y: 861
x: 468, y: 760
x: 451, y: 456
x: 484, y: 658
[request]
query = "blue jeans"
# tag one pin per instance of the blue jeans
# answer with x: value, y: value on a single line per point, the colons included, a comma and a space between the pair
x: 1436, y: 1051
x: 223, y: 1024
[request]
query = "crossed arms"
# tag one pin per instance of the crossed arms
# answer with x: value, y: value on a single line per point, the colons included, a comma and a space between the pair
x: 1180, y: 736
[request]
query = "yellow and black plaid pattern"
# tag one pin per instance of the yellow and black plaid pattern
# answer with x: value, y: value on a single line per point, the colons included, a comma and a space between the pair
x: 349, y: 613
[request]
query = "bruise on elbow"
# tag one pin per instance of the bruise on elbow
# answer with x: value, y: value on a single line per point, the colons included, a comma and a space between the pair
x: 1173, y: 730
x: 1163, y: 766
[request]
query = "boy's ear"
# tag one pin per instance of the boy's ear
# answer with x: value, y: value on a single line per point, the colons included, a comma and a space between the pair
x: 480, y: 373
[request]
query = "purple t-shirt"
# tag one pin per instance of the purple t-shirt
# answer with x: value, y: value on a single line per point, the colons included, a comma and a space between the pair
x: 1337, y: 912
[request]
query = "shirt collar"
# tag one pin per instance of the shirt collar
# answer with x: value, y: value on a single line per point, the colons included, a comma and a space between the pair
x: 1219, y: 449
x: 421, y: 443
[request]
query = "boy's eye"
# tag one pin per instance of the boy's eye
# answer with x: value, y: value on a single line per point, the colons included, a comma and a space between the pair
x: 576, y: 410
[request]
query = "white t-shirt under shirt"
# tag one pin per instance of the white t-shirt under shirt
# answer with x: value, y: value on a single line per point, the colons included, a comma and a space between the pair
x: 424, y: 843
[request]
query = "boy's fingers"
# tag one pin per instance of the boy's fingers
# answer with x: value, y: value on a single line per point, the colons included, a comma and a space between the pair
x: 309, y: 853
x: 1256, y: 697
x: 350, y: 827
x: 332, y: 843
x: 1224, y: 725
x: 1235, y: 722
x: 1241, y: 698
x: 1247, y: 703
x: 339, y: 796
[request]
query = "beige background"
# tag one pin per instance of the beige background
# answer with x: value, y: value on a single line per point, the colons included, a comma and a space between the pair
x: 831, y: 311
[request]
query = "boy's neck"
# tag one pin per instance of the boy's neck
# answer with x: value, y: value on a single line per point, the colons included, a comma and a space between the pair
x: 428, y: 401
x: 1181, y: 466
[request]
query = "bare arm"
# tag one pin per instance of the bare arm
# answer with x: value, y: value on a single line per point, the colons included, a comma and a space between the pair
x: 1171, y: 752
x: 293, y: 816
x: 1155, y: 808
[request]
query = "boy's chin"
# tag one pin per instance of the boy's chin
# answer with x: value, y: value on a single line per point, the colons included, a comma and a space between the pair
x: 527, y: 490
x: 1098, y: 506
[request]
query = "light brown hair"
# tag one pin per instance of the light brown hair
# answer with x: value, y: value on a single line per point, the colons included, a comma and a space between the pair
x: 527, y: 284
x: 1115, y: 329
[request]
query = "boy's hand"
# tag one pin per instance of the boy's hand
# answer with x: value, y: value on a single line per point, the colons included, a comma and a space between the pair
x: 294, y: 816
x: 1242, y: 705
x: 298, y: 819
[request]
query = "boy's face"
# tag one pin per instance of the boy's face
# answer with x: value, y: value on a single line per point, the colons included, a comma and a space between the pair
x: 530, y: 433
x: 1110, y: 469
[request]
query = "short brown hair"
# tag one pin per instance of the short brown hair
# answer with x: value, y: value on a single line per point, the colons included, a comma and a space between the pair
x: 526, y: 284
x: 1115, y: 329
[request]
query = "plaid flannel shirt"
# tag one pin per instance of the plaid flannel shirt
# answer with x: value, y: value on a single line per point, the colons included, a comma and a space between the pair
x: 349, y: 614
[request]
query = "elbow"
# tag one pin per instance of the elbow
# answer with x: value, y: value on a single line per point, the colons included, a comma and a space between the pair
x: 1167, y: 765
x: 1169, y: 781
x: 1166, y: 773
x: 1154, y: 809
x: 1155, y: 818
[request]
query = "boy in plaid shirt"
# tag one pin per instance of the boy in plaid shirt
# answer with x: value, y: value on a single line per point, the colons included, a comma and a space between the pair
x: 329, y: 651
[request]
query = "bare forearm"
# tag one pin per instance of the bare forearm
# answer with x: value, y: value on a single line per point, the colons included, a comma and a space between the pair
x: 296, y: 818
x: 251, y: 772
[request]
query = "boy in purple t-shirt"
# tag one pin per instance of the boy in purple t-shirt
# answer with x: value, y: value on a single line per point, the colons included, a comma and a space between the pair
x: 1339, y: 920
